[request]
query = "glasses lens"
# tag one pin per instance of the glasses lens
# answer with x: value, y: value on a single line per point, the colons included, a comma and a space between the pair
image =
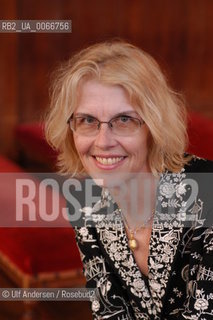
x: 85, y: 125
x: 125, y: 125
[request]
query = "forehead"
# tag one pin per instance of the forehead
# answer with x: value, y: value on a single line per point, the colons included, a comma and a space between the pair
x: 100, y: 99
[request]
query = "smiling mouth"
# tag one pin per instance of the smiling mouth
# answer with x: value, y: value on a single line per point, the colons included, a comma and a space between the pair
x: 108, y: 161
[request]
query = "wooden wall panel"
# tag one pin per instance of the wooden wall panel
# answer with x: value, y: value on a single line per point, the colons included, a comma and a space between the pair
x: 8, y: 83
x: 177, y: 33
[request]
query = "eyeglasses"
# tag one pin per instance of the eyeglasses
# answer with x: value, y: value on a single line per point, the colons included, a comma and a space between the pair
x: 121, y: 125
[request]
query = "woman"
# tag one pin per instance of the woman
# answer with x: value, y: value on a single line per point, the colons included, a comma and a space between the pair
x: 114, y: 117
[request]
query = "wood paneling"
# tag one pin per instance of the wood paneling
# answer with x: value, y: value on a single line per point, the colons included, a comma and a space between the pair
x: 8, y: 82
x: 177, y: 33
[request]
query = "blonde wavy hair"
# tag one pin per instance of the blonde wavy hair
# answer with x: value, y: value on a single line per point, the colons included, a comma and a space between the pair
x: 123, y: 64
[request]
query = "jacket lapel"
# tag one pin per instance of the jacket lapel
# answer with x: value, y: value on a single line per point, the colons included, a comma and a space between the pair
x: 114, y: 243
x: 146, y: 295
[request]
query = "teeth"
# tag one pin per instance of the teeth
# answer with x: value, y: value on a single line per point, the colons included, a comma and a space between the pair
x: 109, y: 161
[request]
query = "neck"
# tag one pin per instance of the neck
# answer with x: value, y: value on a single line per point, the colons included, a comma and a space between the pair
x: 136, y: 198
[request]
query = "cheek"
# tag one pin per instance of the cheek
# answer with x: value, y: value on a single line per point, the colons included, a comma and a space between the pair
x: 143, y: 141
x: 78, y: 144
x: 82, y: 145
x: 136, y: 146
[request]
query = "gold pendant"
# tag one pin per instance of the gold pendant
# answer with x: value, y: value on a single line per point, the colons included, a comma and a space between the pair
x: 132, y: 242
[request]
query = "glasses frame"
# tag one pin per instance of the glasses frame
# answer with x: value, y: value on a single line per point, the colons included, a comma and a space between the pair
x: 109, y: 123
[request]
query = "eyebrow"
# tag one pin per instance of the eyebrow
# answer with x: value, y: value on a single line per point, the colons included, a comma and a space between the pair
x: 80, y: 114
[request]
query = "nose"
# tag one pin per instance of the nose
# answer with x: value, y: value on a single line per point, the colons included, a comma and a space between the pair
x: 105, y: 138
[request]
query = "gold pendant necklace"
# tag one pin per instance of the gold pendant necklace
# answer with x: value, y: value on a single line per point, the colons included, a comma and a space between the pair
x: 132, y: 242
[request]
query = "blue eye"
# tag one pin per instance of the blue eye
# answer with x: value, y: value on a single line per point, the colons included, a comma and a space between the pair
x: 89, y: 119
x: 124, y: 118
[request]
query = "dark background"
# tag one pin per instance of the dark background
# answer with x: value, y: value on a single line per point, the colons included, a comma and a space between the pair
x: 178, y: 33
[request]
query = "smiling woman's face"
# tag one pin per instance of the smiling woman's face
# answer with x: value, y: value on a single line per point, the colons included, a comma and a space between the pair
x: 107, y: 154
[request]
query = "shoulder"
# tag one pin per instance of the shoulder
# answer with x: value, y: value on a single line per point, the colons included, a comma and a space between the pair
x: 198, y: 165
x: 199, y: 171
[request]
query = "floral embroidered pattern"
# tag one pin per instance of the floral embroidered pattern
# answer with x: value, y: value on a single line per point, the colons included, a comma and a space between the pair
x: 180, y: 264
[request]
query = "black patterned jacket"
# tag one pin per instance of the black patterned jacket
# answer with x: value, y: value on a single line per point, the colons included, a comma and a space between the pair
x: 180, y: 280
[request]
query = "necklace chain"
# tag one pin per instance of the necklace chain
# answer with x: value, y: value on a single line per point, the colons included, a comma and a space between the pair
x: 133, y: 243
